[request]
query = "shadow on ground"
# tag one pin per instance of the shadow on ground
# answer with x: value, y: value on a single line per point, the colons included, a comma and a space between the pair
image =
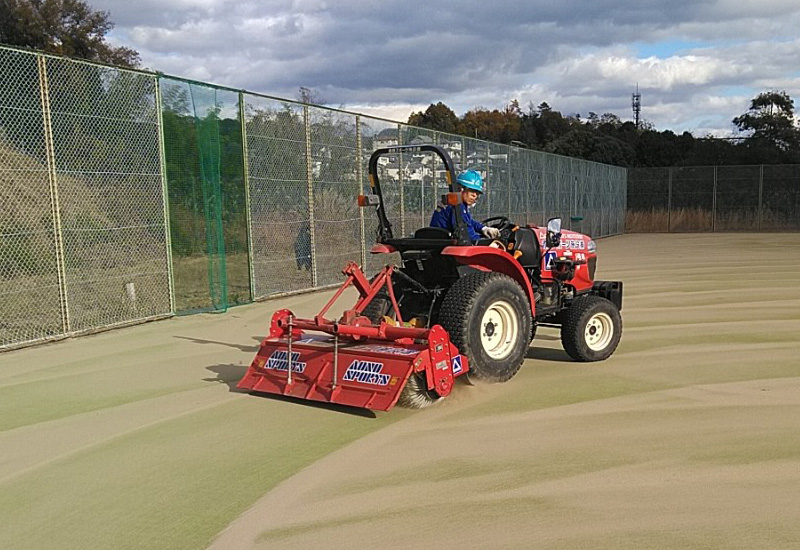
x: 548, y: 354
x: 240, y: 347
x: 229, y: 375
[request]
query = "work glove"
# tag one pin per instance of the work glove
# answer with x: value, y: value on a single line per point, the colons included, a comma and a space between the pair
x: 490, y: 232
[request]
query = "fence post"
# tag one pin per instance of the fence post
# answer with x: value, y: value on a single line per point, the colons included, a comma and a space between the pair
x: 55, y: 206
x: 669, y: 199
x: 489, y: 195
x: 360, y: 177
x: 543, y: 178
x: 574, y: 213
x: 510, y: 179
x: 162, y: 161
x: 310, y: 194
x: 714, y: 204
x: 402, y: 181
x: 528, y: 184
x: 624, y: 204
x: 760, y: 195
x: 249, y: 215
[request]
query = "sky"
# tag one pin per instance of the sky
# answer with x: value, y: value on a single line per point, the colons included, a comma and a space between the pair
x: 697, y: 63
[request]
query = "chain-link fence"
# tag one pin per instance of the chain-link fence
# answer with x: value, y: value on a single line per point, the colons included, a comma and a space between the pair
x: 82, y: 230
x: 128, y: 195
x: 714, y: 198
x: 307, y: 164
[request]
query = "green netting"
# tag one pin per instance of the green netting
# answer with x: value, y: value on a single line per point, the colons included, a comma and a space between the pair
x: 208, y: 211
x: 206, y: 120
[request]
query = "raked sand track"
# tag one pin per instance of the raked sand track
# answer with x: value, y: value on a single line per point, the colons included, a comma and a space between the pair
x: 688, y: 437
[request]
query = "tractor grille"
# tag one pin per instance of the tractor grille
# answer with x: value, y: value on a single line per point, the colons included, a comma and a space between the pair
x: 592, y: 267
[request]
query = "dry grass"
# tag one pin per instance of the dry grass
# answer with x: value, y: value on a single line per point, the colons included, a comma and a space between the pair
x: 661, y: 220
x: 192, y: 288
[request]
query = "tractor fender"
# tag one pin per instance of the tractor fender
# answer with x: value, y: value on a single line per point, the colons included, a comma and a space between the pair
x: 493, y: 259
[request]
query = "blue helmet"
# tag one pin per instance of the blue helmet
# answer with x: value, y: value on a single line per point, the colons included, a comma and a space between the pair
x: 470, y: 179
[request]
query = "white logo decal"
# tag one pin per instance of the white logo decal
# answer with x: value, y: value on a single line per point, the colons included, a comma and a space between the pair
x: 366, y: 372
x: 279, y: 360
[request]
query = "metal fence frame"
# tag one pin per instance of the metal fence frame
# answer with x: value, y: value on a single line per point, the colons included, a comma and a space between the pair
x: 752, y: 198
x: 105, y: 253
x: 84, y: 243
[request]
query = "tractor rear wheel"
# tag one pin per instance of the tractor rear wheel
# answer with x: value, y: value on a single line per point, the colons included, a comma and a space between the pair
x: 592, y: 329
x: 488, y: 318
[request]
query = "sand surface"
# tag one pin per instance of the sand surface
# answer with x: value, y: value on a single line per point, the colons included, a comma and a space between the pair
x: 688, y: 437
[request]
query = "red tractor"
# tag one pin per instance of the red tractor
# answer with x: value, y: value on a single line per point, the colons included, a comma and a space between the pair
x: 451, y: 308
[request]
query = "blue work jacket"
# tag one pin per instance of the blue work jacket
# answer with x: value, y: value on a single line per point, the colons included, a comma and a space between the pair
x: 445, y: 216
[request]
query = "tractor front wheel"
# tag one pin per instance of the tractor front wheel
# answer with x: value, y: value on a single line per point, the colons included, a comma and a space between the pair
x: 488, y: 318
x: 592, y: 329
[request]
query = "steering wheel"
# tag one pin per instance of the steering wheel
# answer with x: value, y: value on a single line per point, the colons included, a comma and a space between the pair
x: 501, y: 223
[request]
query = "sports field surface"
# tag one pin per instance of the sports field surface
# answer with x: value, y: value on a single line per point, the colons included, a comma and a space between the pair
x: 688, y: 437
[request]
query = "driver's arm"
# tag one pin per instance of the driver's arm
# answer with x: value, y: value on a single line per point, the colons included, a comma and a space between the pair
x: 489, y: 231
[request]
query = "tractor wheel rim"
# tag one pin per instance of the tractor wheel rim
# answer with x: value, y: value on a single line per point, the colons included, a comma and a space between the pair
x: 599, y: 331
x: 499, y: 329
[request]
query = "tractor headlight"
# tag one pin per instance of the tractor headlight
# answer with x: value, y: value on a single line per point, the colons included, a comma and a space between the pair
x: 591, y: 246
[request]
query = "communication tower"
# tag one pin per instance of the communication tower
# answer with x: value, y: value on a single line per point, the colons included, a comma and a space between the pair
x: 636, y: 103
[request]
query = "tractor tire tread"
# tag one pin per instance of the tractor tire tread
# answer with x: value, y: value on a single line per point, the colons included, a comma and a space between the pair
x: 574, y: 320
x: 454, y: 316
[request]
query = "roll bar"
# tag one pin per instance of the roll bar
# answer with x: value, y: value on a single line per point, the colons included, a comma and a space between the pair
x: 460, y: 233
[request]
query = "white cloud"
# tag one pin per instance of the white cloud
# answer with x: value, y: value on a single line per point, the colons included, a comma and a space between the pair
x: 396, y: 57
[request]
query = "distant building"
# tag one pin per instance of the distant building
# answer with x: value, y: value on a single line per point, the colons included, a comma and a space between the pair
x: 386, y: 138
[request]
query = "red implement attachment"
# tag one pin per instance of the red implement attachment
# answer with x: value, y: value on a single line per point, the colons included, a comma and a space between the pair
x: 352, y: 361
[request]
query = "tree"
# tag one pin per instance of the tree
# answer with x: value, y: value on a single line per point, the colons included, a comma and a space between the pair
x: 310, y: 96
x: 62, y: 27
x: 662, y: 148
x: 588, y: 145
x: 498, y: 126
x: 542, y: 125
x: 438, y: 117
x: 770, y: 121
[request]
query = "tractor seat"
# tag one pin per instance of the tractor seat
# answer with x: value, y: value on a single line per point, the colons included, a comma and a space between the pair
x: 525, y: 241
x: 432, y: 233
x: 425, y: 238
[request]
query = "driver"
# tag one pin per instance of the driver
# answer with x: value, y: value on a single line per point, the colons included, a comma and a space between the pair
x: 471, y: 184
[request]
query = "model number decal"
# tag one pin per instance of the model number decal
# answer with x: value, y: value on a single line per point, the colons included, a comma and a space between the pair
x: 578, y: 244
x: 573, y: 243
x: 387, y: 349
